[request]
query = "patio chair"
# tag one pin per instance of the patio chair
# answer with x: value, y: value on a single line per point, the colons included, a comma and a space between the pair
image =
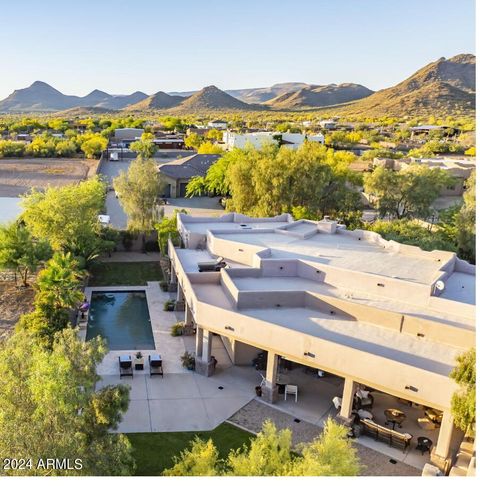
x: 155, y: 362
x: 125, y: 365
x: 337, y: 403
x: 291, y: 390
x: 264, y: 380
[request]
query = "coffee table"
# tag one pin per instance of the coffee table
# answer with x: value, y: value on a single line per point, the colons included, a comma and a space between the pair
x: 394, y: 417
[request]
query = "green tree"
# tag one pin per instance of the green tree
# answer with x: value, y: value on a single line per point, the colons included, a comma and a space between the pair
x: 145, y: 147
x: 67, y: 217
x: 466, y: 222
x: 274, y: 180
x: 49, y: 406
x: 138, y: 190
x: 20, y: 252
x: 94, y: 145
x: 464, y: 400
x: 412, y: 233
x: 270, y: 454
x: 196, y: 187
x: 332, y: 454
x: 407, y: 193
x: 194, y: 140
x: 215, y: 135
x: 200, y: 460
x: 59, y: 282
x: 209, y: 148
x: 167, y: 228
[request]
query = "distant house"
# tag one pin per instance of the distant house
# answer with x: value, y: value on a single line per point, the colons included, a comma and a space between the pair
x: 122, y: 134
x: 460, y: 169
x: 258, y: 139
x: 169, y: 142
x: 218, y: 124
x: 328, y: 124
x: 198, y: 130
x: 178, y: 173
x: 427, y: 129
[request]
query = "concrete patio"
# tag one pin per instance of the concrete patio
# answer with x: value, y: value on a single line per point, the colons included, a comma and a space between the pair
x: 186, y: 401
x: 181, y: 400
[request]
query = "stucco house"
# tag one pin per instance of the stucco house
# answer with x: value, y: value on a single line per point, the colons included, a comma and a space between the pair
x: 178, y: 173
x: 386, y: 318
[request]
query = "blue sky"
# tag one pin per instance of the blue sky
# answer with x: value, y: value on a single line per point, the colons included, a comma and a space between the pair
x: 122, y: 46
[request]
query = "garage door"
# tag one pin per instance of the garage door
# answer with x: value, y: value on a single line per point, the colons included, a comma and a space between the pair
x: 183, y: 189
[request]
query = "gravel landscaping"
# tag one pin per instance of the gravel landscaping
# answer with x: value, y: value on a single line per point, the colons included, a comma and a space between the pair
x: 252, y: 416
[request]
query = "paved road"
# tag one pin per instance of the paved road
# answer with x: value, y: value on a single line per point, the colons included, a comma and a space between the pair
x: 197, y: 206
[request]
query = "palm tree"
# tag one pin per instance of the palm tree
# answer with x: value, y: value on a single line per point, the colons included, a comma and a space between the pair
x: 59, y: 283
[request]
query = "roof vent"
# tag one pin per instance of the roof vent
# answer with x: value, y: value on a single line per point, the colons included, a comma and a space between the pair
x: 440, y: 285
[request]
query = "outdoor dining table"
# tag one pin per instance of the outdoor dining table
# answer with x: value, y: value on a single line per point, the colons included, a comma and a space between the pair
x: 394, y: 417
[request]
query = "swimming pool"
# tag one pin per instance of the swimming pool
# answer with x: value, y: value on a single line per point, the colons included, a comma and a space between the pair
x: 122, y: 318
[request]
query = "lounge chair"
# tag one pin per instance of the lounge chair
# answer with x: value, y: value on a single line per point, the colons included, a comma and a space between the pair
x: 155, y: 362
x: 125, y: 365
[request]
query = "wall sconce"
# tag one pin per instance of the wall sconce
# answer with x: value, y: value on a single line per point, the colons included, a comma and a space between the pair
x: 310, y: 355
x: 229, y: 328
x: 411, y: 388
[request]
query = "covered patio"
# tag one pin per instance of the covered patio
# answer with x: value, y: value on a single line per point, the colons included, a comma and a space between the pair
x: 314, y: 404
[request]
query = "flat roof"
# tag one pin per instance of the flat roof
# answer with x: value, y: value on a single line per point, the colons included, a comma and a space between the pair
x: 201, y: 228
x: 190, y: 259
x: 299, y: 283
x: 345, y: 252
x: 460, y: 287
x: 432, y: 356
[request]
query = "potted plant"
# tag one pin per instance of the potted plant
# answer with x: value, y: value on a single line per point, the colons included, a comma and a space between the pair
x: 188, y: 360
x: 164, y: 285
x: 139, y: 361
x: 177, y: 329
x: 169, y: 306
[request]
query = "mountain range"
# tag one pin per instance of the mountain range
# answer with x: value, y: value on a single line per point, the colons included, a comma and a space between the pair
x: 446, y: 85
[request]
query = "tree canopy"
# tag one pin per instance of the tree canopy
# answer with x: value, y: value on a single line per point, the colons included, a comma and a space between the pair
x: 20, y: 252
x: 273, y: 180
x: 138, y: 190
x: 270, y: 454
x: 464, y: 400
x: 465, y: 222
x: 409, y: 192
x: 145, y: 147
x: 67, y: 217
x: 49, y: 406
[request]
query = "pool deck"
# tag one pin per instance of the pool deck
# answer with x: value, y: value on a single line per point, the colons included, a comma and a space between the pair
x: 182, y: 400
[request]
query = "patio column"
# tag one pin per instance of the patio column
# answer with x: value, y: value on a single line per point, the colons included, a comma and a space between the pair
x: 270, y: 387
x: 180, y: 294
x: 199, y: 342
x: 188, y: 315
x: 442, y: 448
x: 173, y: 275
x: 204, y: 364
x: 349, y: 388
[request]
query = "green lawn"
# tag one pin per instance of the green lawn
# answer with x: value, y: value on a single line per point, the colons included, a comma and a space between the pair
x: 113, y: 273
x: 154, y: 452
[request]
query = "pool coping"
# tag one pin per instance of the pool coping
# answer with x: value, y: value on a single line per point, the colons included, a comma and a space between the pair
x: 134, y: 288
x: 170, y: 348
x: 87, y: 291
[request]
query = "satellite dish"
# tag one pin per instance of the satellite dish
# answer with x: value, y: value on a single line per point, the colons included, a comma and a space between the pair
x: 440, y: 285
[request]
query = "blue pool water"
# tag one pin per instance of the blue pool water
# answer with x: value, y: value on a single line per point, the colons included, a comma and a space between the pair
x: 122, y: 318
